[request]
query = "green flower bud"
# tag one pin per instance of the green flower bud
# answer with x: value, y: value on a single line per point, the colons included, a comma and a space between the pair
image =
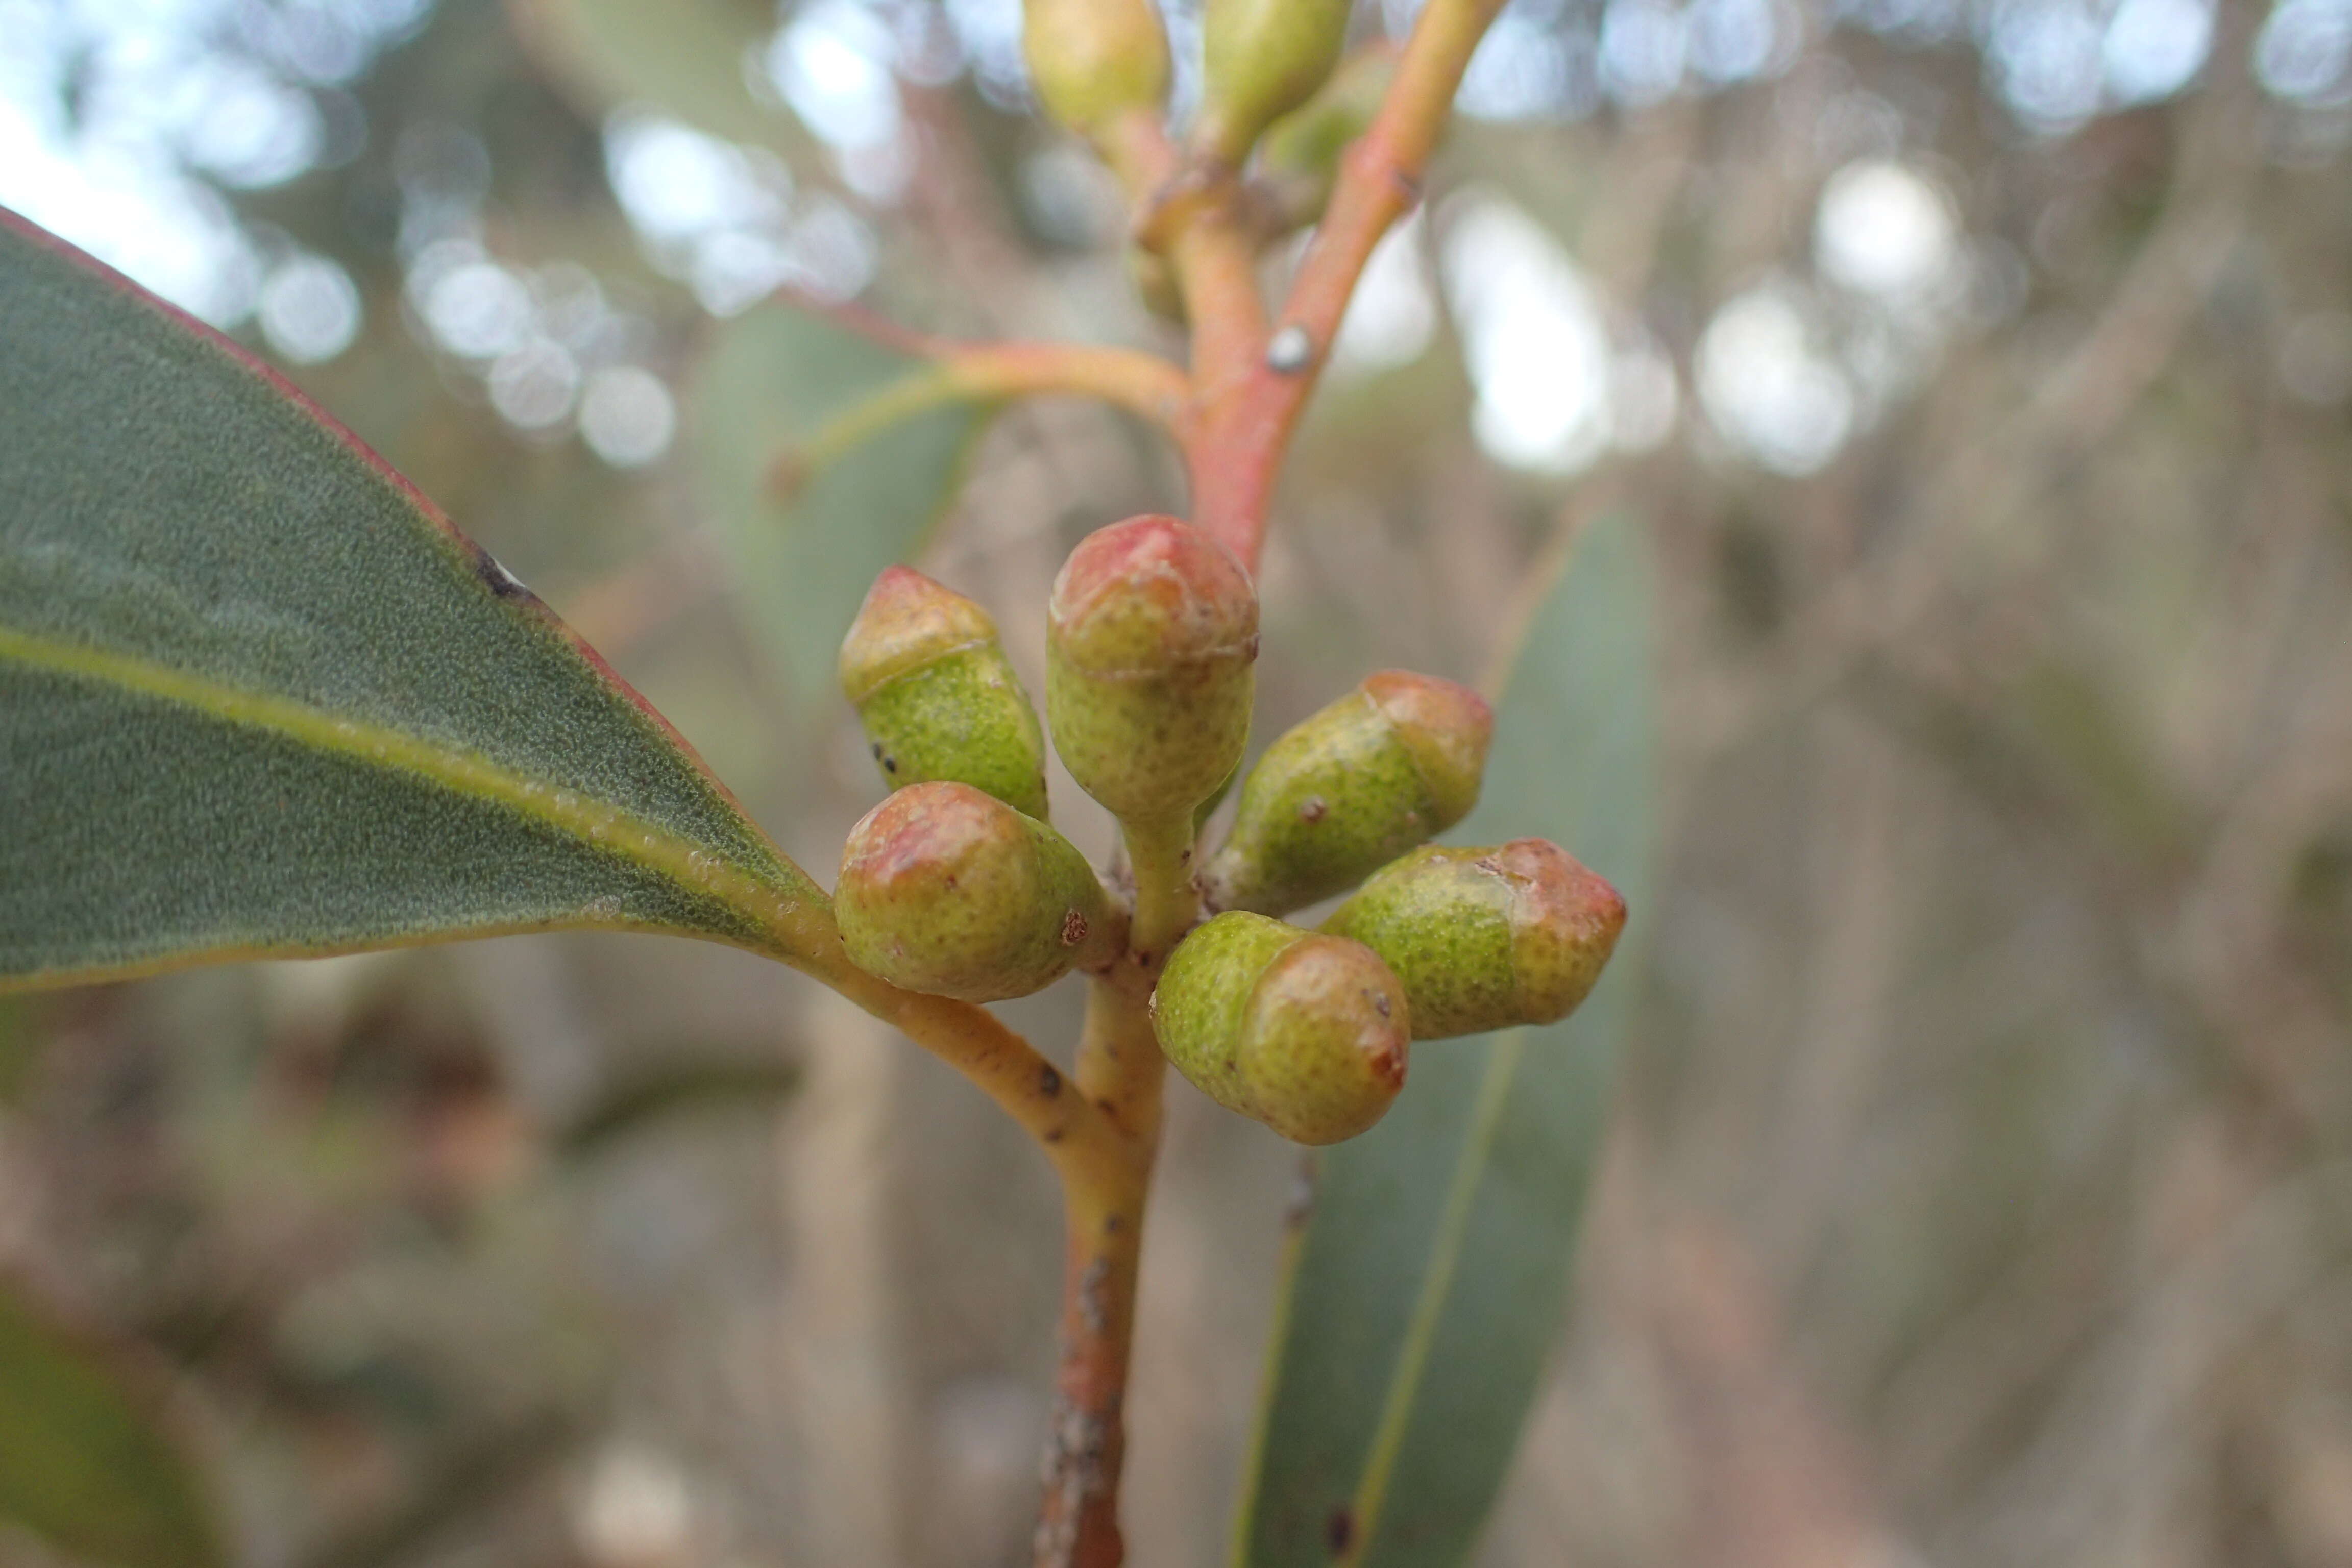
x: 939, y: 700
x: 1486, y: 939
x: 951, y: 892
x: 1299, y: 158
x: 1262, y: 58
x: 1305, y: 1033
x: 1093, y: 60
x: 1154, y: 280
x: 1391, y: 765
x: 1150, y: 648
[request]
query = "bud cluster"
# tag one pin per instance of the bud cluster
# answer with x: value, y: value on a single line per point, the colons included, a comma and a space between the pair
x: 956, y: 885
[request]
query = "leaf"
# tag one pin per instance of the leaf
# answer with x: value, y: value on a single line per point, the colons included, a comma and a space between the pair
x: 257, y: 697
x: 689, y: 60
x: 1423, y: 1294
x: 86, y: 1461
x: 639, y: 1103
x: 826, y: 456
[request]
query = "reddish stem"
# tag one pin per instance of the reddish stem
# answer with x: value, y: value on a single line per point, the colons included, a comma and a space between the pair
x: 1244, y: 432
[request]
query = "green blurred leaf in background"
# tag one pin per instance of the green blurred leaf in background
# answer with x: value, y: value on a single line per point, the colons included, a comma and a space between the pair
x: 813, y: 481
x: 1426, y: 1288
x: 86, y: 1463
x: 692, y: 59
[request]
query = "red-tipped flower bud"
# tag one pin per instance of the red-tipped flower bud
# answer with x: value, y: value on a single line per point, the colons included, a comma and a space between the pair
x: 1262, y: 59
x: 939, y: 700
x: 951, y: 892
x: 1151, y: 643
x: 1486, y: 939
x: 1302, y: 1032
x: 1093, y: 60
x: 1387, y: 767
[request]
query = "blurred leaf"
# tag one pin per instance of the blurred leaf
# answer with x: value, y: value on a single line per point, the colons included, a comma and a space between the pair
x: 257, y: 697
x: 816, y: 482
x: 481, y: 1476
x: 690, y: 59
x: 85, y: 1461
x: 19, y: 1040
x: 638, y: 1103
x: 1423, y: 1294
x: 2080, y: 725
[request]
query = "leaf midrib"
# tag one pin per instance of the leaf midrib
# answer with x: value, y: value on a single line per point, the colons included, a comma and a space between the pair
x: 1437, y: 1284
x: 746, y: 890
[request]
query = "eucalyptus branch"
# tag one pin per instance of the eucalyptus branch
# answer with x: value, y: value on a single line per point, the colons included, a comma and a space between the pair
x: 1244, y: 432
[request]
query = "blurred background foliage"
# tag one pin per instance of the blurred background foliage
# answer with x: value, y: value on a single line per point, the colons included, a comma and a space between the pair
x: 1978, y: 1191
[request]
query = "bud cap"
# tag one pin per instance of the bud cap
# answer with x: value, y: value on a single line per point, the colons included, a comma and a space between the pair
x: 1486, y: 939
x: 1151, y: 643
x: 1093, y: 60
x: 936, y: 696
x: 1261, y: 58
x: 1387, y: 767
x: 1303, y: 1032
x: 946, y: 891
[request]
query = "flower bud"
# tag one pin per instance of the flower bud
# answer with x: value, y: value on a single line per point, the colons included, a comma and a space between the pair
x: 1151, y: 648
x: 1299, y: 160
x: 1154, y: 281
x: 939, y: 700
x: 1391, y: 765
x: 1486, y: 939
x: 1303, y: 1032
x: 1262, y: 58
x: 1092, y: 60
x: 949, y: 892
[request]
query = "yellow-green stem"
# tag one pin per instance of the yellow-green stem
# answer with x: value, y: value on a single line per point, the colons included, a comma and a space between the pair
x: 1159, y: 854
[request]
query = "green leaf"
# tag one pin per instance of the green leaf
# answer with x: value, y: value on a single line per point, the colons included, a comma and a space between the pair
x: 690, y: 59
x: 86, y: 1461
x: 257, y: 697
x: 1423, y: 1294
x: 826, y: 456
x: 639, y: 1103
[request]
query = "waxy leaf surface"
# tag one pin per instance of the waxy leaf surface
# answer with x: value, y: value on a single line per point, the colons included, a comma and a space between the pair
x: 256, y: 696
x: 819, y: 477
x: 1431, y: 1279
x: 87, y: 1464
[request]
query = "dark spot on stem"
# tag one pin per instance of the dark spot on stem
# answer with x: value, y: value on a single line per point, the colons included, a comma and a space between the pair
x: 878, y: 750
x: 1339, y: 1531
x: 1114, y: 1224
x: 1049, y: 1081
x: 889, y: 764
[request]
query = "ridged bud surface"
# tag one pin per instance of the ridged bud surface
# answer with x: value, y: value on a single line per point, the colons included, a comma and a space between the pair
x: 1150, y: 654
x: 1387, y: 767
x: 1486, y: 939
x: 1262, y: 59
x: 930, y: 681
x: 949, y: 892
x: 1092, y: 60
x: 1303, y: 1032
